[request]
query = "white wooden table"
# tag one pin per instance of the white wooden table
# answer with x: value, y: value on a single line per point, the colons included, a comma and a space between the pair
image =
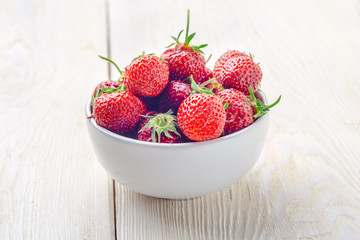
x: 306, y: 184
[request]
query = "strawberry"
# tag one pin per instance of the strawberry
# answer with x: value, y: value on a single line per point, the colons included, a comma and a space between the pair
x: 201, y: 116
x: 146, y: 76
x: 208, y: 74
x: 185, y: 59
x: 118, y: 111
x: 99, y: 89
x: 220, y: 62
x: 239, y: 113
x: 173, y: 95
x: 109, y: 84
x: 241, y: 73
x: 159, y: 127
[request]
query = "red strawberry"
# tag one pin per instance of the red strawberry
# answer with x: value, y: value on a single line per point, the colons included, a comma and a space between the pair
x: 103, y: 87
x: 118, y: 111
x: 185, y: 59
x: 219, y: 64
x: 241, y: 73
x: 208, y: 74
x: 110, y: 84
x: 240, y: 110
x: 239, y: 113
x: 159, y: 127
x: 201, y: 116
x: 146, y: 76
x: 173, y: 95
x: 183, y: 62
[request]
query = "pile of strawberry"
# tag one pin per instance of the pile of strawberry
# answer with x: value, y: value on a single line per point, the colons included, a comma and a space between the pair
x: 175, y: 98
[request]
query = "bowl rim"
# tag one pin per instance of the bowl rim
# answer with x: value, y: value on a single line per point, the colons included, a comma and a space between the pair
x: 119, y: 137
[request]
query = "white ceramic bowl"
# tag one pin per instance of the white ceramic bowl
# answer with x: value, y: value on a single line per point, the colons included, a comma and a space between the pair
x: 182, y: 170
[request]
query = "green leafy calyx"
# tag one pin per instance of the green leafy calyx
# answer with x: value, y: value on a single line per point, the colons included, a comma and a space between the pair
x: 201, y: 88
x: 261, y: 108
x: 188, y: 37
x: 162, y: 123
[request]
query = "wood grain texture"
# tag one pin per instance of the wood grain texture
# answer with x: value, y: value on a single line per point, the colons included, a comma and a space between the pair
x: 306, y: 184
x: 51, y: 186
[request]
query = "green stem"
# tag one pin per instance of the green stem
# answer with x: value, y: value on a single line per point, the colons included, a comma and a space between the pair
x: 121, y: 72
x: 187, y: 24
x: 209, y: 58
x: 276, y: 102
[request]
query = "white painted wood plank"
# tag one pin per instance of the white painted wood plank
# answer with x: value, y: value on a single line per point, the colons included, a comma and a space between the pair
x: 306, y: 184
x: 51, y: 186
